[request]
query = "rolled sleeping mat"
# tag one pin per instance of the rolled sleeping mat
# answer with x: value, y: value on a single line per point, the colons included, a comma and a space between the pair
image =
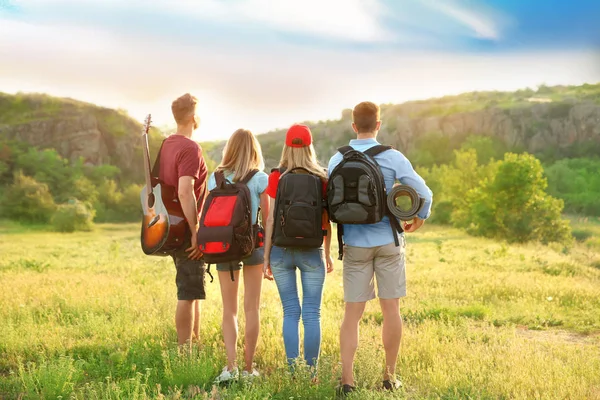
x: 416, y: 202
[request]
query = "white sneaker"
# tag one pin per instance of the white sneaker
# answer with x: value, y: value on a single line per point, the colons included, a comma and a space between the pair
x: 227, y: 376
x: 250, y: 375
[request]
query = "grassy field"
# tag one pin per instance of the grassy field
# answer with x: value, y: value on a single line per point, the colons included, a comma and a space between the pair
x: 88, y: 316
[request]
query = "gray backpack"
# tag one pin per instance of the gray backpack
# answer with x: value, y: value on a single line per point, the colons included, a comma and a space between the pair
x: 356, y: 191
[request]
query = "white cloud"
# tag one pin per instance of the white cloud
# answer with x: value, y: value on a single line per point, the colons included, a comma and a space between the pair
x: 352, y: 20
x: 482, y: 26
x: 484, y: 23
x: 256, y: 88
x: 252, y: 85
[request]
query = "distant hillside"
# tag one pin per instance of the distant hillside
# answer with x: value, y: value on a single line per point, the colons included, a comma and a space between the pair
x: 76, y: 130
x: 551, y: 122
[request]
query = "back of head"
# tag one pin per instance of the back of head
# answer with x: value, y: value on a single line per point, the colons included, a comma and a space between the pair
x: 242, y: 154
x: 299, y: 152
x: 365, y: 117
x: 184, y: 109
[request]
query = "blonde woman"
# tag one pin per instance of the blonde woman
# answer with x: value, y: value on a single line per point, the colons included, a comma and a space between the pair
x: 281, y: 262
x: 241, y: 155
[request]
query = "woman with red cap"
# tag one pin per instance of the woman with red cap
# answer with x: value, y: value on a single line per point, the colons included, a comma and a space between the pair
x: 281, y: 262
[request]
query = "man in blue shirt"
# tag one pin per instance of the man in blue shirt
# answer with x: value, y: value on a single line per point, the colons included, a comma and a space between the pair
x: 370, y: 252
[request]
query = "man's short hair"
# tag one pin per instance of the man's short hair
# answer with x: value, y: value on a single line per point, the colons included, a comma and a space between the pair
x: 184, y: 108
x: 365, y: 116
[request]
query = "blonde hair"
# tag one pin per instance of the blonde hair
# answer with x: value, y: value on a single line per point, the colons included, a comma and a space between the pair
x: 184, y: 108
x: 241, y: 154
x: 301, y: 157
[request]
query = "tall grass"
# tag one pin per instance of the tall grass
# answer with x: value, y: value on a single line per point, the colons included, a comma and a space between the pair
x: 88, y: 316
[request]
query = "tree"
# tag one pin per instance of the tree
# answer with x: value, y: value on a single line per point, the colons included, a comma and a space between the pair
x: 487, y: 148
x: 47, y: 166
x: 514, y: 205
x: 577, y: 182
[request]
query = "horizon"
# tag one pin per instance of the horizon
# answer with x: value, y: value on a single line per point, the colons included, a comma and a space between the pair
x: 270, y: 65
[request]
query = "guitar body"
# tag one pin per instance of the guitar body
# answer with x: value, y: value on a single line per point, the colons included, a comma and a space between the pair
x: 164, y: 226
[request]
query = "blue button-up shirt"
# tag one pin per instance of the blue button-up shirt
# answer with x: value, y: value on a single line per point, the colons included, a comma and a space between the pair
x: 395, y: 167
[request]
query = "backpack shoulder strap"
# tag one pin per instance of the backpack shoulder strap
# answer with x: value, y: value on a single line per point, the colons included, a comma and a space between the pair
x: 345, y: 149
x: 249, y: 176
x: 156, y: 168
x: 375, y: 150
x: 301, y: 169
x: 219, y: 177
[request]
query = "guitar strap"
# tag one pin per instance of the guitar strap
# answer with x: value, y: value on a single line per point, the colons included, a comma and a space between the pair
x: 156, y: 168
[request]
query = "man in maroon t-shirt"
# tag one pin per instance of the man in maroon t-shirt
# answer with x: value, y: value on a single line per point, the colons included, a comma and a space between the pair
x: 182, y: 166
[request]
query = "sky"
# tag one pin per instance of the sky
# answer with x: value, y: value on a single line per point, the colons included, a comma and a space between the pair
x: 266, y: 64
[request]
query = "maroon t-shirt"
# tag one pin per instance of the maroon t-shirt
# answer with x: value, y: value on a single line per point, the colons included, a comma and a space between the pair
x: 181, y: 156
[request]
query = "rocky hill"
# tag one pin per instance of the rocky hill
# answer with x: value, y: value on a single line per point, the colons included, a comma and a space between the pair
x: 555, y: 122
x: 551, y: 122
x: 75, y: 129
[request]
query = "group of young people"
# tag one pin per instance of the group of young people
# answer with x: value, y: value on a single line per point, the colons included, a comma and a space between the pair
x: 373, y: 253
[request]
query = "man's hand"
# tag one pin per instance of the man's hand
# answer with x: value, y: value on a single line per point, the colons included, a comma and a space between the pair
x: 195, y: 253
x: 414, y: 225
x: 267, y: 273
x: 329, y: 263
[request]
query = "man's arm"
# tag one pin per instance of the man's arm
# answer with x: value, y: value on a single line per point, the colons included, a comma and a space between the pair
x: 187, y: 199
x: 406, y: 174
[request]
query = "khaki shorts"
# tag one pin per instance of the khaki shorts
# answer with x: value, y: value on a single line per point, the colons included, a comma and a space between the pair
x: 385, y: 263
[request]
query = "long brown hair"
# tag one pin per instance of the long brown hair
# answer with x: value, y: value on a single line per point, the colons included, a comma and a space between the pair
x: 241, y: 154
x: 302, y: 157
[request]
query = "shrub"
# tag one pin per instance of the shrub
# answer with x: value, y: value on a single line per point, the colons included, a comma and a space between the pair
x: 513, y: 205
x: 73, y: 216
x: 48, y: 167
x: 130, y: 207
x: 581, y: 235
x: 487, y: 148
x: 27, y: 200
x: 577, y: 182
x: 115, y: 205
x: 442, y: 212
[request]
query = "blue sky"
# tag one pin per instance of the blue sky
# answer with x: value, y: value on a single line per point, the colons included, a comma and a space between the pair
x: 264, y: 64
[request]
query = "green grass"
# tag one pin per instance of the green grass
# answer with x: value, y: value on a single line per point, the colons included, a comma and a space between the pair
x: 88, y: 316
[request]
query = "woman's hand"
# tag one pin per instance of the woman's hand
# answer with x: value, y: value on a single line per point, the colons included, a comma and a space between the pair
x: 267, y: 273
x: 329, y: 263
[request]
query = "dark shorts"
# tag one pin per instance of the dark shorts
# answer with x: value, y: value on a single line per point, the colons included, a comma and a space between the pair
x: 190, y: 275
x: 256, y: 258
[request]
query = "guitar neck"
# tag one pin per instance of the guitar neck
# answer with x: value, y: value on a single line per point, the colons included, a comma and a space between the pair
x: 147, y: 162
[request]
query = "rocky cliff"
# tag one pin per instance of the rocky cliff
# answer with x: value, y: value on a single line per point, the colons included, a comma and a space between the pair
x: 563, y: 121
x: 75, y: 129
x: 555, y: 122
x: 534, y: 128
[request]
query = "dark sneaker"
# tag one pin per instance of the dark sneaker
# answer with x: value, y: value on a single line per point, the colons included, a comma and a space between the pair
x: 392, y: 385
x: 345, y: 390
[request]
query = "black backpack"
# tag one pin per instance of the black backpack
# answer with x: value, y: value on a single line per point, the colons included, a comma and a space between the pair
x: 226, y: 233
x: 356, y: 191
x: 298, y: 210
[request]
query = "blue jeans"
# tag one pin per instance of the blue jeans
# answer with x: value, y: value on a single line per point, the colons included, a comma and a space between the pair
x: 311, y: 264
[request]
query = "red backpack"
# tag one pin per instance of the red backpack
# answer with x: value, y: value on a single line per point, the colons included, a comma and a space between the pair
x: 226, y: 233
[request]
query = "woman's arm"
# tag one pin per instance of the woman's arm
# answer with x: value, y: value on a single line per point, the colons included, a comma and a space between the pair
x: 328, y: 258
x: 268, y: 236
x: 264, y: 207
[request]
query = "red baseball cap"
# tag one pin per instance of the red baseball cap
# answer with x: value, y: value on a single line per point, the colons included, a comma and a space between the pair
x: 298, y: 136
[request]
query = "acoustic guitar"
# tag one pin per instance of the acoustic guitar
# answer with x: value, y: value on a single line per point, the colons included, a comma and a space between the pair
x: 163, y: 226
